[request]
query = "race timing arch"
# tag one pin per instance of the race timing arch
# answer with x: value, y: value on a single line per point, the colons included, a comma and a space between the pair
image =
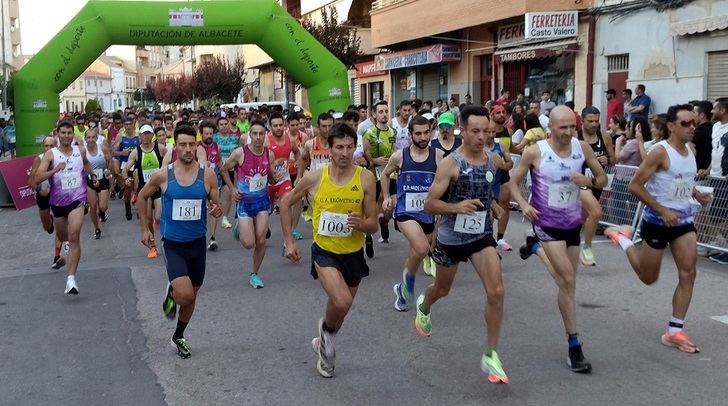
x: 102, y: 23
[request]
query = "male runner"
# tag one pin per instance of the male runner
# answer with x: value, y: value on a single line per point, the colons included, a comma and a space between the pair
x: 465, y: 232
x: 214, y: 161
x: 500, y: 116
x: 446, y: 141
x: 344, y: 209
x: 299, y: 137
x: 42, y: 199
x: 283, y: 148
x: 64, y: 166
x: 665, y: 182
x: 145, y: 160
x: 99, y: 157
x: 253, y: 166
x: 186, y: 187
x: 604, y: 151
x: 400, y: 124
x: 315, y: 153
x: 556, y: 175
x: 126, y: 142
x: 227, y: 144
x: 416, y: 165
x: 379, y: 143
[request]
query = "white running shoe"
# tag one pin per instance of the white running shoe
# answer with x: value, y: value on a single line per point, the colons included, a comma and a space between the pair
x: 71, y: 287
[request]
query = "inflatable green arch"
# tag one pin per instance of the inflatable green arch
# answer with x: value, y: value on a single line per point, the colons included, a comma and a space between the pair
x: 102, y: 23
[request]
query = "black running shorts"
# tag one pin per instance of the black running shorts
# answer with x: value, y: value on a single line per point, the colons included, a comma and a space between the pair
x: 185, y: 259
x: 352, y: 266
x: 658, y: 236
x: 451, y: 255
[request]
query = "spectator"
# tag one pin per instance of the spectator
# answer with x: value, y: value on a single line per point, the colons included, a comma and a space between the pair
x: 719, y: 138
x: 517, y: 127
x: 468, y: 100
x: 626, y: 100
x: 577, y: 116
x: 453, y: 107
x: 520, y: 101
x: 617, y: 127
x: 614, y: 106
x: 630, y: 148
x: 640, y: 105
x: 505, y: 97
x: 546, y: 103
x: 702, y: 136
x: 9, y: 134
x: 536, y: 109
x: 518, y: 109
x: 534, y: 132
x: 658, y: 130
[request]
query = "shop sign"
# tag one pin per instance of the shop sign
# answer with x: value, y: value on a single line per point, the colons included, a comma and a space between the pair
x: 528, y: 53
x: 551, y: 24
x: 368, y: 69
x: 512, y: 33
x: 421, y: 56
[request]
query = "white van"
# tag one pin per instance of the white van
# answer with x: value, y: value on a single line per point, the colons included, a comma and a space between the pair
x: 256, y: 105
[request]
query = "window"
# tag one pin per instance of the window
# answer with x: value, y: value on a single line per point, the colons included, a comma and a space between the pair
x: 618, y: 63
x: 88, y: 82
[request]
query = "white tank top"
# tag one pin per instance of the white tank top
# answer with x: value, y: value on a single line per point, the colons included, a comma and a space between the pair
x: 674, y: 187
x: 98, y: 162
x: 45, y: 185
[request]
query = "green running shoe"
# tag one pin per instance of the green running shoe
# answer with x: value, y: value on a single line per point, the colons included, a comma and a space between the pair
x: 587, y: 256
x: 169, y: 307
x: 422, y: 320
x: 493, y: 367
x: 183, y: 350
x: 255, y: 281
x: 236, y: 231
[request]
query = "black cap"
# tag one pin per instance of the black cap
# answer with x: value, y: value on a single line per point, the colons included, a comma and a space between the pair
x: 611, y: 91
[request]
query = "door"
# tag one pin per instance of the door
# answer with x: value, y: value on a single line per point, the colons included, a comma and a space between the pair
x: 514, y: 76
x: 486, y: 78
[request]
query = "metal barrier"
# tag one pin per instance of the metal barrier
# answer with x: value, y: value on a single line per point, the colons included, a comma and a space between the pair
x: 711, y: 221
x: 525, y: 186
x: 619, y: 206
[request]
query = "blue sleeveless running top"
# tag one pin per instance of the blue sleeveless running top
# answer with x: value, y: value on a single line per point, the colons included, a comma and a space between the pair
x: 184, y: 208
x: 415, y: 179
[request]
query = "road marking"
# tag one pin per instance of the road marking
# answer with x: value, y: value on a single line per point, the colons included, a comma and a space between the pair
x: 722, y: 319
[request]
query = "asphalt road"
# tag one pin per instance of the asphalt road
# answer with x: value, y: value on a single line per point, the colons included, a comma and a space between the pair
x: 110, y: 344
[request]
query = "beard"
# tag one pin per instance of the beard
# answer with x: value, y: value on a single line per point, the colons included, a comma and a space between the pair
x: 208, y: 141
x: 421, y: 144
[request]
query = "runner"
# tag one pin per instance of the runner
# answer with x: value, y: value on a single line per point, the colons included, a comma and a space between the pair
x: 144, y: 161
x: 604, y: 151
x: 462, y: 194
x: 379, y: 144
x: 446, y: 141
x: 499, y: 116
x: 253, y: 166
x: 98, y: 196
x: 400, y: 124
x: 64, y: 166
x: 126, y: 142
x: 9, y: 131
x: 665, y: 183
x: 227, y: 144
x: 214, y: 161
x: 416, y: 165
x: 283, y: 148
x: 299, y: 138
x: 344, y: 210
x: 315, y: 153
x: 42, y: 199
x: 556, y: 175
x: 186, y: 187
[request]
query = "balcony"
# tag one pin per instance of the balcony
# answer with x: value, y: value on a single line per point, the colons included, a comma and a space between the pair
x: 396, y: 21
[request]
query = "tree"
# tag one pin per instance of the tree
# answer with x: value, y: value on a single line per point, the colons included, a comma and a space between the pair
x: 219, y: 78
x: 340, y: 39
x: 91, y: 106
x: 10, y: 90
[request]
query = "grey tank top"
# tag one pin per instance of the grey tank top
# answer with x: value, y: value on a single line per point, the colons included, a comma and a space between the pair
x: 474, y: 182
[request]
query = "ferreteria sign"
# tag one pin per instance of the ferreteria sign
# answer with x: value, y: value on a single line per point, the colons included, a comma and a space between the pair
x: 551, y: 24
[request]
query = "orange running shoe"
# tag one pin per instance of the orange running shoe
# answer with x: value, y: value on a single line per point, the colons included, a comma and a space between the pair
x: 681, y: 341
x: 156, y: 225
x: 133, y: 198
x: 152, y: 253
x: 614, y: 233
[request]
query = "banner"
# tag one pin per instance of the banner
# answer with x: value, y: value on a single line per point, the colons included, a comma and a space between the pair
x: 15, y: 173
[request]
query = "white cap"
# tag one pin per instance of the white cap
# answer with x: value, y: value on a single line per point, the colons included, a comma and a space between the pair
x: 146, y: 128
x: 337, y: 115
x: 428, y: 116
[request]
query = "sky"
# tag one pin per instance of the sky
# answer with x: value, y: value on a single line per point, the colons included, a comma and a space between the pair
x: 40, y: 20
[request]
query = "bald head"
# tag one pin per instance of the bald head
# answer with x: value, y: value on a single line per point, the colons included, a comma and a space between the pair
x: 560, y: 113
x: 562, y: 124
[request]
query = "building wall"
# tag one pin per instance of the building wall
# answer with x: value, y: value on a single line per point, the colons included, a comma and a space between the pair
x: 672, y: 68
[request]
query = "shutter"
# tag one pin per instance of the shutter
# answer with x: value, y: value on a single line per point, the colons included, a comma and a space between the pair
x: 717, y: 75
x: 430, y: 82
x: 356, y: 91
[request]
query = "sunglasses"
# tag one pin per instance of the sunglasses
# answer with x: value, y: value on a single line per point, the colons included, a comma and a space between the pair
x: 687, y: 123
x: 445, y: 126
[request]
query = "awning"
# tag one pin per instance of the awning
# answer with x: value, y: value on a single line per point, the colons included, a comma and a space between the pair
x: 699, y: 26
x: 535, y: 51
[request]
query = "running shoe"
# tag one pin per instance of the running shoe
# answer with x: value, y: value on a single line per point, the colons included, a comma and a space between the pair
x: 422, y: 320
x: 102, y: 216
x: 267, y: 234
x: 615, y: 233
x: 503, y: 245
x: 71, y: 287
x: 307, y: 216
x: 401, y: 303
x: 180, y: 344
x: 323, y: 346
x: 276, y: 210
x: 526, y: 250
x: 383, y: 240
x: 428, y: 266
x: 720, y: 258
x: 255, y: 281
x: 681, y: 341
x: 236, y: 232
x: 226, y: 223
x: 369, y: 247
x: 58, y: 263
x: 133, y: 198
x: 156, y: 225
x: 576, y: 360
x: 587, y: 256
x: 127, y: 212
x: 169, y: 307
x: 66, y: 247
x: 212, y: 246
x: 97, y: 234
x: 383, y: 231
x: 296, y: 234
x: 493, y: 367
x: 152, y: 253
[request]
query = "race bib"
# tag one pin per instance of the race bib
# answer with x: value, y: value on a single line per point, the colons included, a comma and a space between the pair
x: 123, y: 164
x: 99, y: 173
x: 258, y: 182
x: 70, y: 180
x: 414, y: 202
x: 317, y: 164
x: 147, y: 174
x: 473, y: 223
x: 186, y: 209
x: 562, y: 194
x: 681, y: 189
x: 281, y: 168
x: 333, y: 225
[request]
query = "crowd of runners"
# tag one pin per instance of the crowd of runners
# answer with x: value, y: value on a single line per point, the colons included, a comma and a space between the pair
x: 444, y: 182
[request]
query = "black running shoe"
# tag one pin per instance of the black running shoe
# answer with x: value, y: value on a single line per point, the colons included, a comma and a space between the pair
x: 525, y: 250
x: 52, y: 229
x: 97, y: 234
x: 384, y: 229
x: 267, y: 234
x: 102, y: 216
x: 58, y: 262
x: 576, y: 360
x: 369, y: 247
x: 127, y: 211
x: 183, y: 350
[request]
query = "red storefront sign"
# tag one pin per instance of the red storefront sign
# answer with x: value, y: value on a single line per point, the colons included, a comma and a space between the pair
x: 15, y: 173
x: 367, y: 69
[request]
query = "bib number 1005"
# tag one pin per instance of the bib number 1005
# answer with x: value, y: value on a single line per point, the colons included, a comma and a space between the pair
x: 334, y: 225
x: 186, y: 209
